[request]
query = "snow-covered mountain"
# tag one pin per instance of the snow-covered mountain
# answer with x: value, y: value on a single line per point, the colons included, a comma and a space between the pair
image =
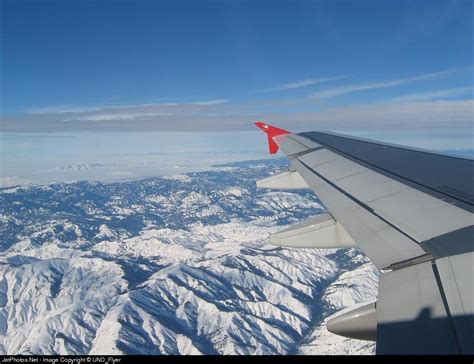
x: 175, y: 265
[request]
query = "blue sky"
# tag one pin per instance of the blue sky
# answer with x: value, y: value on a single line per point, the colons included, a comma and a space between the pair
x: 193, y: 65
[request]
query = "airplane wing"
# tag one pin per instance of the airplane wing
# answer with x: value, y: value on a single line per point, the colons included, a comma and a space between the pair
x: 411, y: 212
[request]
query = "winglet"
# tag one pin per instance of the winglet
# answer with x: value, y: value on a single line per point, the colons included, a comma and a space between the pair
x: 272, y: 132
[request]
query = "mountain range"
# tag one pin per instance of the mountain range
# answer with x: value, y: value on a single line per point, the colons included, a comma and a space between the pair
x: 171, y: 265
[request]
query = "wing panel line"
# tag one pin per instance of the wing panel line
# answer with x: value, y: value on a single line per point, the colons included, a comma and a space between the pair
x: 407, y: 181
x: 360, y: 203
x: 446, y: 305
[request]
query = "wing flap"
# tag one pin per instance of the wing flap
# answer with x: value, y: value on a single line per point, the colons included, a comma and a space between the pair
x: 411, y: 313
x: 456, y: 275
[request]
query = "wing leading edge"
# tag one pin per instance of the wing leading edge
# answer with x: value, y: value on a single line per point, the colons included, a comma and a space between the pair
x: 411, y: 212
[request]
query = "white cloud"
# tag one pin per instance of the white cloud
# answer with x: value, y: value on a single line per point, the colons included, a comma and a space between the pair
x: 69, y: 109
x: 118, y: 116
x: 302, y: 83
x: 346, y: 89
x: 211, y: 102
x: 402, y: 115
x: 439, y: 114
x: 128, y: 112
x: 430, y: 95
x: 63, y: 109
x: 424, y: 109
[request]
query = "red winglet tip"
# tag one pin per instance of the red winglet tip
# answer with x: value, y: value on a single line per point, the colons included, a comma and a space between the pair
x: 272, y: 132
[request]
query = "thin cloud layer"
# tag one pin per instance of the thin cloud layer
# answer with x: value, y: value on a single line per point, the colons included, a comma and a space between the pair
x: 350, y: 88
x: 440, y: 114
x: 133, y: 112
x: 69, y: 109
x: 437, y: 114
x: 211, y: 102
x: 300, y: 84
x: 428, y: 109
x: 436, y: 94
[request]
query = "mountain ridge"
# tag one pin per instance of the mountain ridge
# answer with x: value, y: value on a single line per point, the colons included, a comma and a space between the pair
x: 174, y: 265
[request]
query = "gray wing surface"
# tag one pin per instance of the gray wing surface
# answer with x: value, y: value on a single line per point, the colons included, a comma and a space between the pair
x: 411, y: 212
